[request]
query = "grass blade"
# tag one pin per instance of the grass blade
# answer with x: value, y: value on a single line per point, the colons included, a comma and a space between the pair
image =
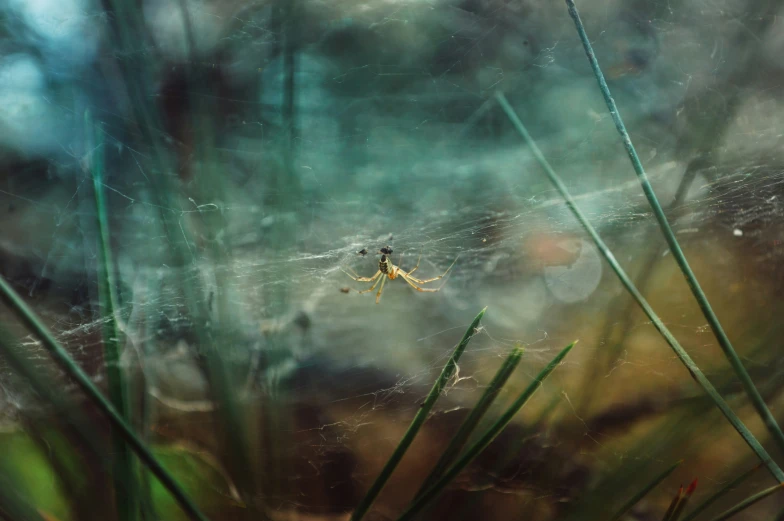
x: 446, y: 373
x: 676, y: 514
x: 681, y: 353
x: 472, y: 452
x: 723, y: 490
x: 672, y: 242
x: 748, y: 502
x: 470, y: 423
x: 72, y: 369
x: 673, y: 504
x: 644, y: 492
x: 126, y: 490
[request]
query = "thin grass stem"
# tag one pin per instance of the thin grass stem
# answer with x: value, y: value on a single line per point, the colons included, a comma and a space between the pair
x: 673, y: 504
x: 644, y: 491
x: 672, y: 241
x: 126, y: 489
x: 683, y: 501
x: 720, y: 493
x: 681, y: 353
x: 469, y: 424
x: 474, y: 450
x: 72, y: 369
x: 435, y: 392
x: 748, y: 502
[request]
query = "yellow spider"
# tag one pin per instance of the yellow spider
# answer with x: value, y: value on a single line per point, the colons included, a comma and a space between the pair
x: 388, y: 270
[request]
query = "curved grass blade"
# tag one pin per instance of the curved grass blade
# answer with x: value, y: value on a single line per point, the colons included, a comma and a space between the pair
x: 748, y: 502
x: 672, y: 242
x: 126, y: 496
x: 472, y: 452
x: 681, y: 353
x: 470, y: 423
x: 719, y: 493
x: 644, y: 491
x: 72, y: 369
x: 446, y: 373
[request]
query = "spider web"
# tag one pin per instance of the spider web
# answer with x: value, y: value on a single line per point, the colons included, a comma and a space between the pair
x: 392, y: 138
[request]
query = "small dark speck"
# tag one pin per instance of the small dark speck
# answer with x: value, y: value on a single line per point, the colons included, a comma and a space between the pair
x: 302, y: 320
x: 345, y: 290
x: 362, y: 252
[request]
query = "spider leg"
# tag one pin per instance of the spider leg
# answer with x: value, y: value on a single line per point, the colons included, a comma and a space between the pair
x: 417, y: 265
x: 378, y: 295
x: 363, y: 279
x: 419, y: 281
x: 427, y: 290
x: 371, y: 288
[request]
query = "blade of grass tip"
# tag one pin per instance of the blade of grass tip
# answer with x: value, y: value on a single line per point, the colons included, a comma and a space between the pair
x: 644, y: 491
x: 72, y: 369
x: 673, y: 504
x: 481, y: 444
x: 672, y: 242
x: 124, y: 464
x: 684, y: 500
x: 446, y: 373
x: 470, y: 423
x: 719, y: 493
x: 681, y: 353
x: 746, y: 503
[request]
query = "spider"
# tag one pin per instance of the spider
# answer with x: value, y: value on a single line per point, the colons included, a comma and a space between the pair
x: 388, y: 270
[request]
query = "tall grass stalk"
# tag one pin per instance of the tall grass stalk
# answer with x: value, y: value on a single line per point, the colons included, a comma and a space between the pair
x: 673, y: 504
x: 719, y: 493
x: 124, y: 471
x: 644, y: 491
x: 72, y: 369
x: 681, y: 353
x: 435, y: 392
x: 672, y: 241
x: 469, y: 424
x: 683, y: 500
x: 746, y: 503
x: 481, y: 444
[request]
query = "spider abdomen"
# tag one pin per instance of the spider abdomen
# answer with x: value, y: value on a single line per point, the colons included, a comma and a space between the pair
x: 383, y: 265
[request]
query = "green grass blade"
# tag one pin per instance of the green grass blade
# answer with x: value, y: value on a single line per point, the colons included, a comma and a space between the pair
x: 719, y: 493
x: 72, y: 369
x: 684, y: 500
x: 644, y: 491
x: 672, y: 242
x: 446, y: 373
x: 470, y: 423
x: 681, y: 353
x: 126, y: 490
x: 472, y: 452
x: 673, y: 505
x: 748, y: 502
